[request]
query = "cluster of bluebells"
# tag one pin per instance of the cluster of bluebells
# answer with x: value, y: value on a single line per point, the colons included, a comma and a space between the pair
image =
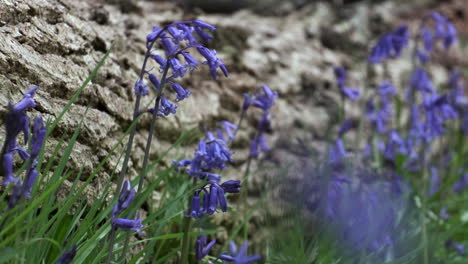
x: 125, y: 199
x: 235, y: 256
x: 176, y: 39
x: 17, y: 121
x: 364, y: 209
x: 441, y: 30
x: 264, y: 101
x: 352, y: 206
x: 212, y: 154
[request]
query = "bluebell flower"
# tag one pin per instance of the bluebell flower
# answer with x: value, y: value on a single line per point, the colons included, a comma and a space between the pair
x: 239, y: 256
x: 38, y: 136
x: 126, y: 197
x: 16, y: 121
x: 154, y: 80
x: 337, y: 152
x: 258, y: 143
x: 422, y: 56
x: 217, y: 153
x: 202, y: 247
x: 444, y: 29
x: 141, y: 88
x: 438, y: 110
x: 420, y: 81
x: 340, y: 75
x: 248, y: 99
x: 229, y: 128
x: 390, y: 45
x: 188, y: 34
x: 460, y: 248
x: 266, y: 100
x: 443, y: 214
x: 394, y: 145
x: 217, y: 198
x: 169, y: 47
x: 379, y: 117
x: 196, y: 210
x: 37, y: 141
x: 166, y: 107
x: 191, y: 61
x: 213, y: 62
x: 427, y: 38
x: 177, y: 34
x: 156, y: 32
x: 68, y: 256
x: 160, y: 60
x: 231, y: 186
x: 203, y: 35
x: 204, y: 25
x: 178, y: 70
x: 180, y: 91
x: 351, y: 93
x: 386, y: 89
x: 15, y: 194
x: 347, y: 125
x: 128, y: 224
x: 461, y: 184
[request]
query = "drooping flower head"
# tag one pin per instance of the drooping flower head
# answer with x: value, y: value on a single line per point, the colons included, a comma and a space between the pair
x: 125, y: 198
x: 265, y: 102
x: 128, y: 224
x: 16, y: 121
x: 390, y: 46
x: 176, y: 40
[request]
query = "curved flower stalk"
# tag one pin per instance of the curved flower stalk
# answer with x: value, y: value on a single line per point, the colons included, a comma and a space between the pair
x: 176, y: 39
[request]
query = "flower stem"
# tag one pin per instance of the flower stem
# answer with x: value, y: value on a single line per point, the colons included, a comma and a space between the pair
x: 186, y: 240
x: 245, y: 194
x: 111, y: 245
x: 147, y: 149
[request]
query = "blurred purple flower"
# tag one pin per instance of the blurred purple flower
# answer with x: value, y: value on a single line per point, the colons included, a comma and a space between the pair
x: 202, y: 247
x: 128, y: 224
x: 390, y: 45
x: 68, y: 256
x: 16, y: 121
x: 239, y: 256
x: 126, y: 197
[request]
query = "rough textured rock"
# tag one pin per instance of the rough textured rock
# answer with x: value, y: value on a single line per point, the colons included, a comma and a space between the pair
x: 56, y: 43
